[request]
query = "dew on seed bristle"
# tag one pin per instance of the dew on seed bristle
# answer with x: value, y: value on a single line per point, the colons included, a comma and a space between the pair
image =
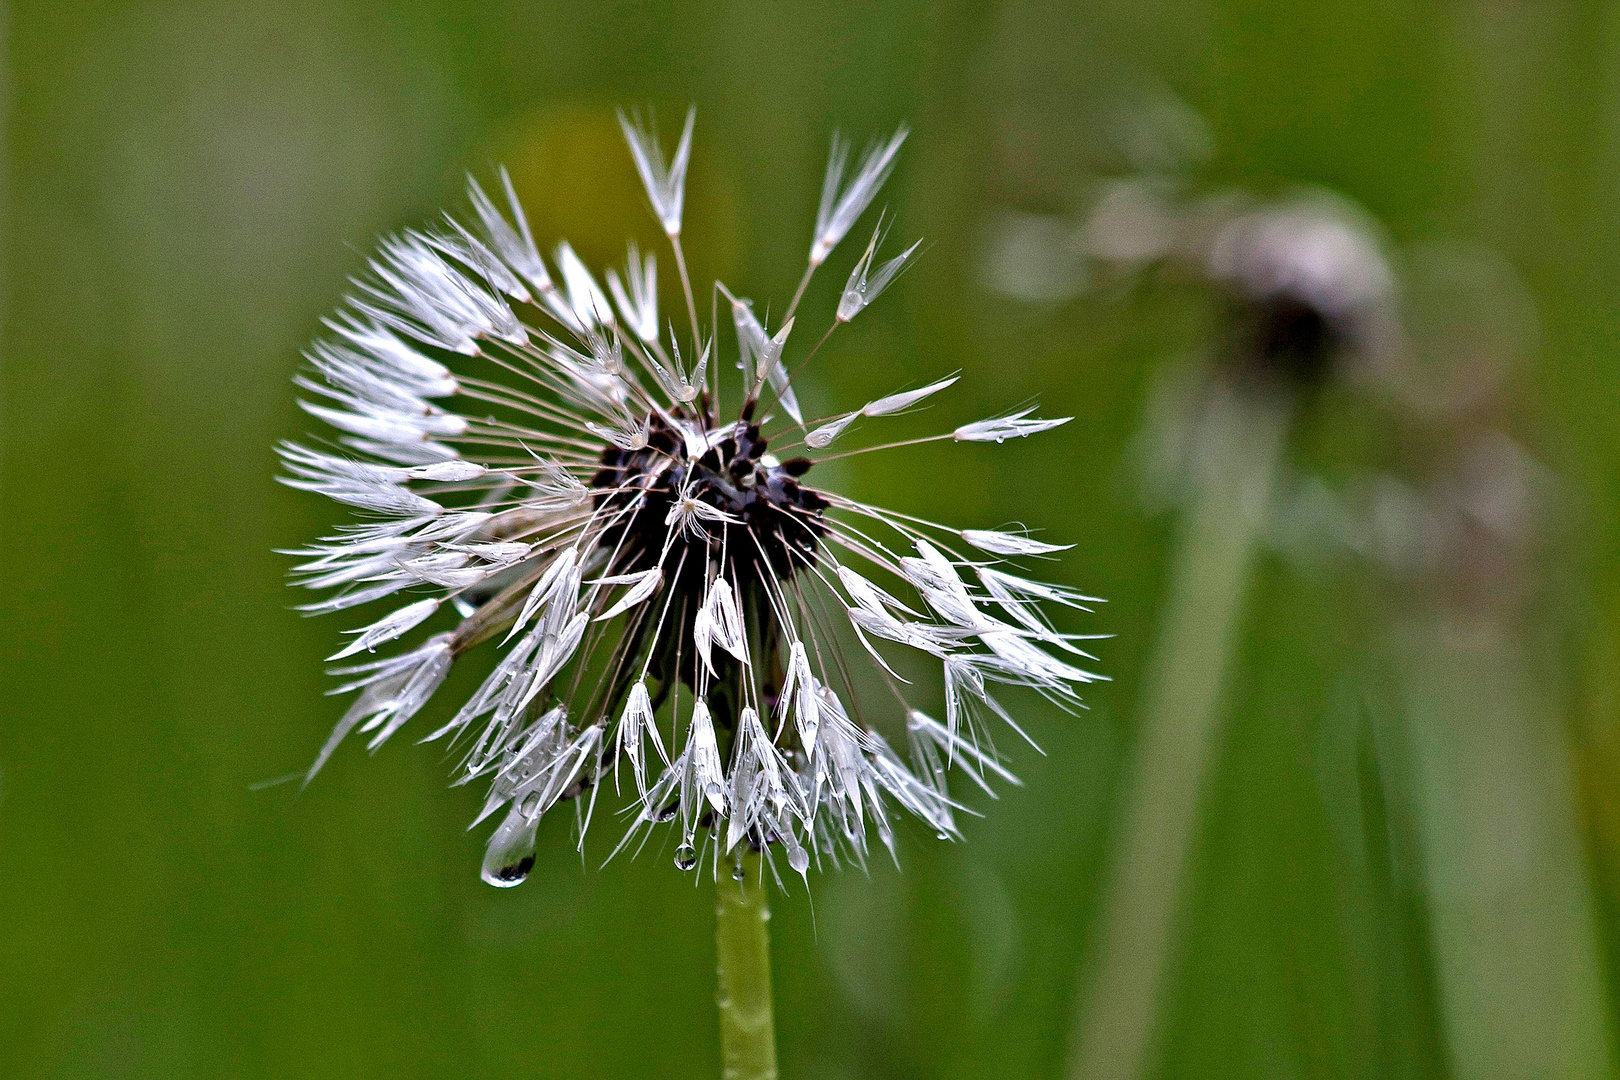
x: 685, y: 857
x: 511, y: 874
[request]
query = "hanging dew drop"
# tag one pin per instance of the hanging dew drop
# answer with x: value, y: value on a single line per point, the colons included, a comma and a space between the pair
x: 511, y: 874
x: 737, y: 872
x: 530, y: 804
x: 799, y: 859
x: 510, y: 855
x: 685, y: 857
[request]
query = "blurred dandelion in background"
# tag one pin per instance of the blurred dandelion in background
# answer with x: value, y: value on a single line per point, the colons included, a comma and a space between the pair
x: 572, y: 477
x: 1304, y: 294
x: 1465, y: 776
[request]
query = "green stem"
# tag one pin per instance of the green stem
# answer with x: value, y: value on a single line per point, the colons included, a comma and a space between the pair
x: 742, y: 936
x: 1238, y: 444
x: 1510, y: 906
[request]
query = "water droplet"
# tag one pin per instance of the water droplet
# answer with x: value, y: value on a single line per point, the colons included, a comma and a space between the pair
x: 511, y: 874
x: 685, y: 857
x: 737, y: 872
x: 943, y: 836
x: 531, y: 803
x: 799, y: 859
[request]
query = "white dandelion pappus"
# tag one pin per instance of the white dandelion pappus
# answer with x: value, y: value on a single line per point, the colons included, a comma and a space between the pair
x: 842, y: 206
x: 665, y: 184
x: 866, y: 283
x: 531, y: 451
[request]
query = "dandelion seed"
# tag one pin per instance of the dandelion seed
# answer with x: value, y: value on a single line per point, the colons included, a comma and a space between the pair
x: 389, y: 627
x: 824, y: 435
x: 514, y: 246
x: 636, y: 724
x: 1000, y: 543
x: 642, y: 586
x: 665, y: 184
x: 761, y: 355
x: 867, y: 283
x: 585, y: 296
x: 539, y: 458
x: 842, y: 206
x: 886, y: 406
x: 639, y: 303
x: 1014, y: 426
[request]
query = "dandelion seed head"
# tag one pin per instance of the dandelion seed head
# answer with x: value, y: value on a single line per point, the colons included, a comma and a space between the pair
x: 650, y: 582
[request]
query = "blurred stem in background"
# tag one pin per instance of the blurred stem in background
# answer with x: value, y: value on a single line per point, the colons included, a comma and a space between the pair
x: 1521, y: 985
x: 1239, y: 444
x: 1511, y: 912
x: 1312, y: 298
x: 1305, y: 288
x: 1307, y: 293
x: 743, y: 943
x: 1455, y: 538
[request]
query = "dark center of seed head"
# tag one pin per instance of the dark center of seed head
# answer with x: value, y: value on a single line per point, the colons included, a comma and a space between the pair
x: 774, y: 521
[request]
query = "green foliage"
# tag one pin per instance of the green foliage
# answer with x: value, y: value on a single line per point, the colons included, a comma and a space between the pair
x: 189, y: 185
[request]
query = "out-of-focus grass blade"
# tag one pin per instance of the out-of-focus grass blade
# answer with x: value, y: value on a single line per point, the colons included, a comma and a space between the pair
x: 1521, y: 984
x: 1378, y: 894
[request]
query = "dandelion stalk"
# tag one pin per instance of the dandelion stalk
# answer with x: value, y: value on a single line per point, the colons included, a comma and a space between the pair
x: 742, y: 937
x: 1241, y: 440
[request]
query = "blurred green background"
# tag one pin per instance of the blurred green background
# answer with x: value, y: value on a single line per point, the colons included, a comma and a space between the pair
x: 187, y: 187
